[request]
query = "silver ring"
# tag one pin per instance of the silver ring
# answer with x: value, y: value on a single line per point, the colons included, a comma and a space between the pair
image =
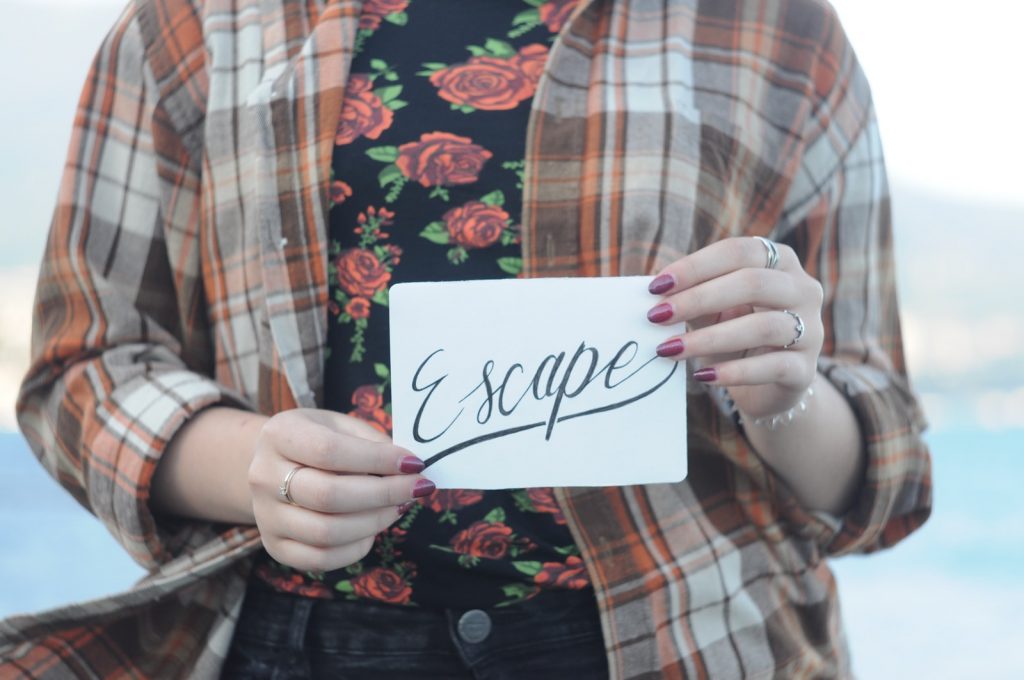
x: 772, y: 256
x: 284, y: 491
x: 799, y: 328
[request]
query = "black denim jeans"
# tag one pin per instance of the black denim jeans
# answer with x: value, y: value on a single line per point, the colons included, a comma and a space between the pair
x: 288, y: 637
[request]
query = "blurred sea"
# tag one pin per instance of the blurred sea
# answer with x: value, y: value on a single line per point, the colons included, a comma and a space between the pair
x: 948, y: 602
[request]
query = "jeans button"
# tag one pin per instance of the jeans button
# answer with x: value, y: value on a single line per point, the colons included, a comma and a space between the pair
x: 474, y: 626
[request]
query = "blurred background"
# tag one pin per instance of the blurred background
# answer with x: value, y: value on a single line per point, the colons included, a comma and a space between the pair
x: 946, y: 603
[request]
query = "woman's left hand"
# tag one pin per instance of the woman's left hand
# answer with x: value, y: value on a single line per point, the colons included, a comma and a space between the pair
x: 733, y: 307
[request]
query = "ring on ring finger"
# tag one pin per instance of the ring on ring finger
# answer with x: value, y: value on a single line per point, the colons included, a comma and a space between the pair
x: 284, y: 491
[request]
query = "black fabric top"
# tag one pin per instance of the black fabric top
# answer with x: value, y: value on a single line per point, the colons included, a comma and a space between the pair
x: 426, y: 186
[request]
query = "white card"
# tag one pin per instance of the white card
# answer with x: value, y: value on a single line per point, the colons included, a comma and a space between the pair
x: 536, y: 382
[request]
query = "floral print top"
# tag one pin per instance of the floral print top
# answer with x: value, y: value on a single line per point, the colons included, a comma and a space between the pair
x: 426, y: 186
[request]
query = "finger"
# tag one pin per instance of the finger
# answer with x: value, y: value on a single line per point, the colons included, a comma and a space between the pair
x: 759, y: 287
x: 787, y: 369
x: 343, y: 423
x: 317, y: 445
x: 321, y: 530
x: 762, y: 329
x: 310, y: 558
x: 330, y: 492
x: 718, y: 259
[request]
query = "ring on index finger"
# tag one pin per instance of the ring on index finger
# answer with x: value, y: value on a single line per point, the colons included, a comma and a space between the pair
x: 772, y: 256
x: 284, y: 491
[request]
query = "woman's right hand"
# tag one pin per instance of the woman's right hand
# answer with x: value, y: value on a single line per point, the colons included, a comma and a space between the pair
x: 355, y: 482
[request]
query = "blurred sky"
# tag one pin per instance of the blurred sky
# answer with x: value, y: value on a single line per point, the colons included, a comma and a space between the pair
x: 947, y: 82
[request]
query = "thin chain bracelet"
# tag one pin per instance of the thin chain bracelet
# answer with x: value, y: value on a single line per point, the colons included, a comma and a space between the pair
x: 771, y: 422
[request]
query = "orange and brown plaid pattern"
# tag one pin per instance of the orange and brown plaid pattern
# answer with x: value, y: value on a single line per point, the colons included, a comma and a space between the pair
x: 186, y: 266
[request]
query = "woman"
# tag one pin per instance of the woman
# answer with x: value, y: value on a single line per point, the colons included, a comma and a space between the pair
x: 191, y: 351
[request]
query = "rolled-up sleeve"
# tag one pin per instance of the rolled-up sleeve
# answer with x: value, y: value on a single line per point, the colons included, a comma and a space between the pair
x: 120, y: 356
x: 838, y: 219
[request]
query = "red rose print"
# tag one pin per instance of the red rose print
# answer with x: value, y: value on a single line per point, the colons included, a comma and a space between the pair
x: 358, y: 308
x: 530, y: 60
x: 378, y: 418
x: 360, y: 273
x: 483, y: 539
x: 440, y: 158
x: 554, y: 13
x: 366, y: 398
x: 485, y: 83
x: 375, y: 10
x: 315, y: 589
x: 543, y: 500
x: 570, y: 575
x: 340, y: 191
x: 362, y: 114
x: 382, y: 584
x: 358, y: 83
x: 444, y: 500
x: 475, y: 224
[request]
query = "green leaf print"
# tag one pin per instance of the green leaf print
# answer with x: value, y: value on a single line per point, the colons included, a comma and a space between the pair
x: 516, y: 592
x: 511, y: 265
x: 397, y: 18
x: 389, y: 174
x: 388, y: 93
x: 530, y: 568
x: 524, y: 22
x: 522, y: 501
x: 495, y: 515
x: 378, y: 65
x: 534, y: 3
x: 382, y: 371
x: 499, y: 48
x: 396, y: 104
x: 381, y: 297
x: 496, y: 197
x: 384, y: 154
x: 516, y: 166
x: 458, y: 255
x: 439, y: 192
x: 436, y: 232
x: 344, y: 586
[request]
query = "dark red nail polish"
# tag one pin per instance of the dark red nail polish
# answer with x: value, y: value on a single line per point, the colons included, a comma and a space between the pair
x: 659, y: 313
x: 411, y: 465
x: 424, y: 487
x: 670, y: 348
x: 706, y: 375
x: 405, y: 507
x: 662, y: 284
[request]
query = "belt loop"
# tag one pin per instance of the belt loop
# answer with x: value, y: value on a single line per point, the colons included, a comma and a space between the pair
x: 300, y: 621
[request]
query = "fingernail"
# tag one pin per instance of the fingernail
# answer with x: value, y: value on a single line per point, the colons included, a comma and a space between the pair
x: 659, y: 313
x: 706, y: 375
x: 670, y: 348
x: 424, y: 487
x: 405, y: 507
x: 411, y: 465
x: 661, y: 284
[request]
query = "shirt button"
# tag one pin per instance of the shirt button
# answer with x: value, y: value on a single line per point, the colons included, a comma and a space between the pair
x: 474, y: 626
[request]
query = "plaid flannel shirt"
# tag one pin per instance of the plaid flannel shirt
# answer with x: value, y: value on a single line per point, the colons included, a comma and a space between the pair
x: 186, y: 266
